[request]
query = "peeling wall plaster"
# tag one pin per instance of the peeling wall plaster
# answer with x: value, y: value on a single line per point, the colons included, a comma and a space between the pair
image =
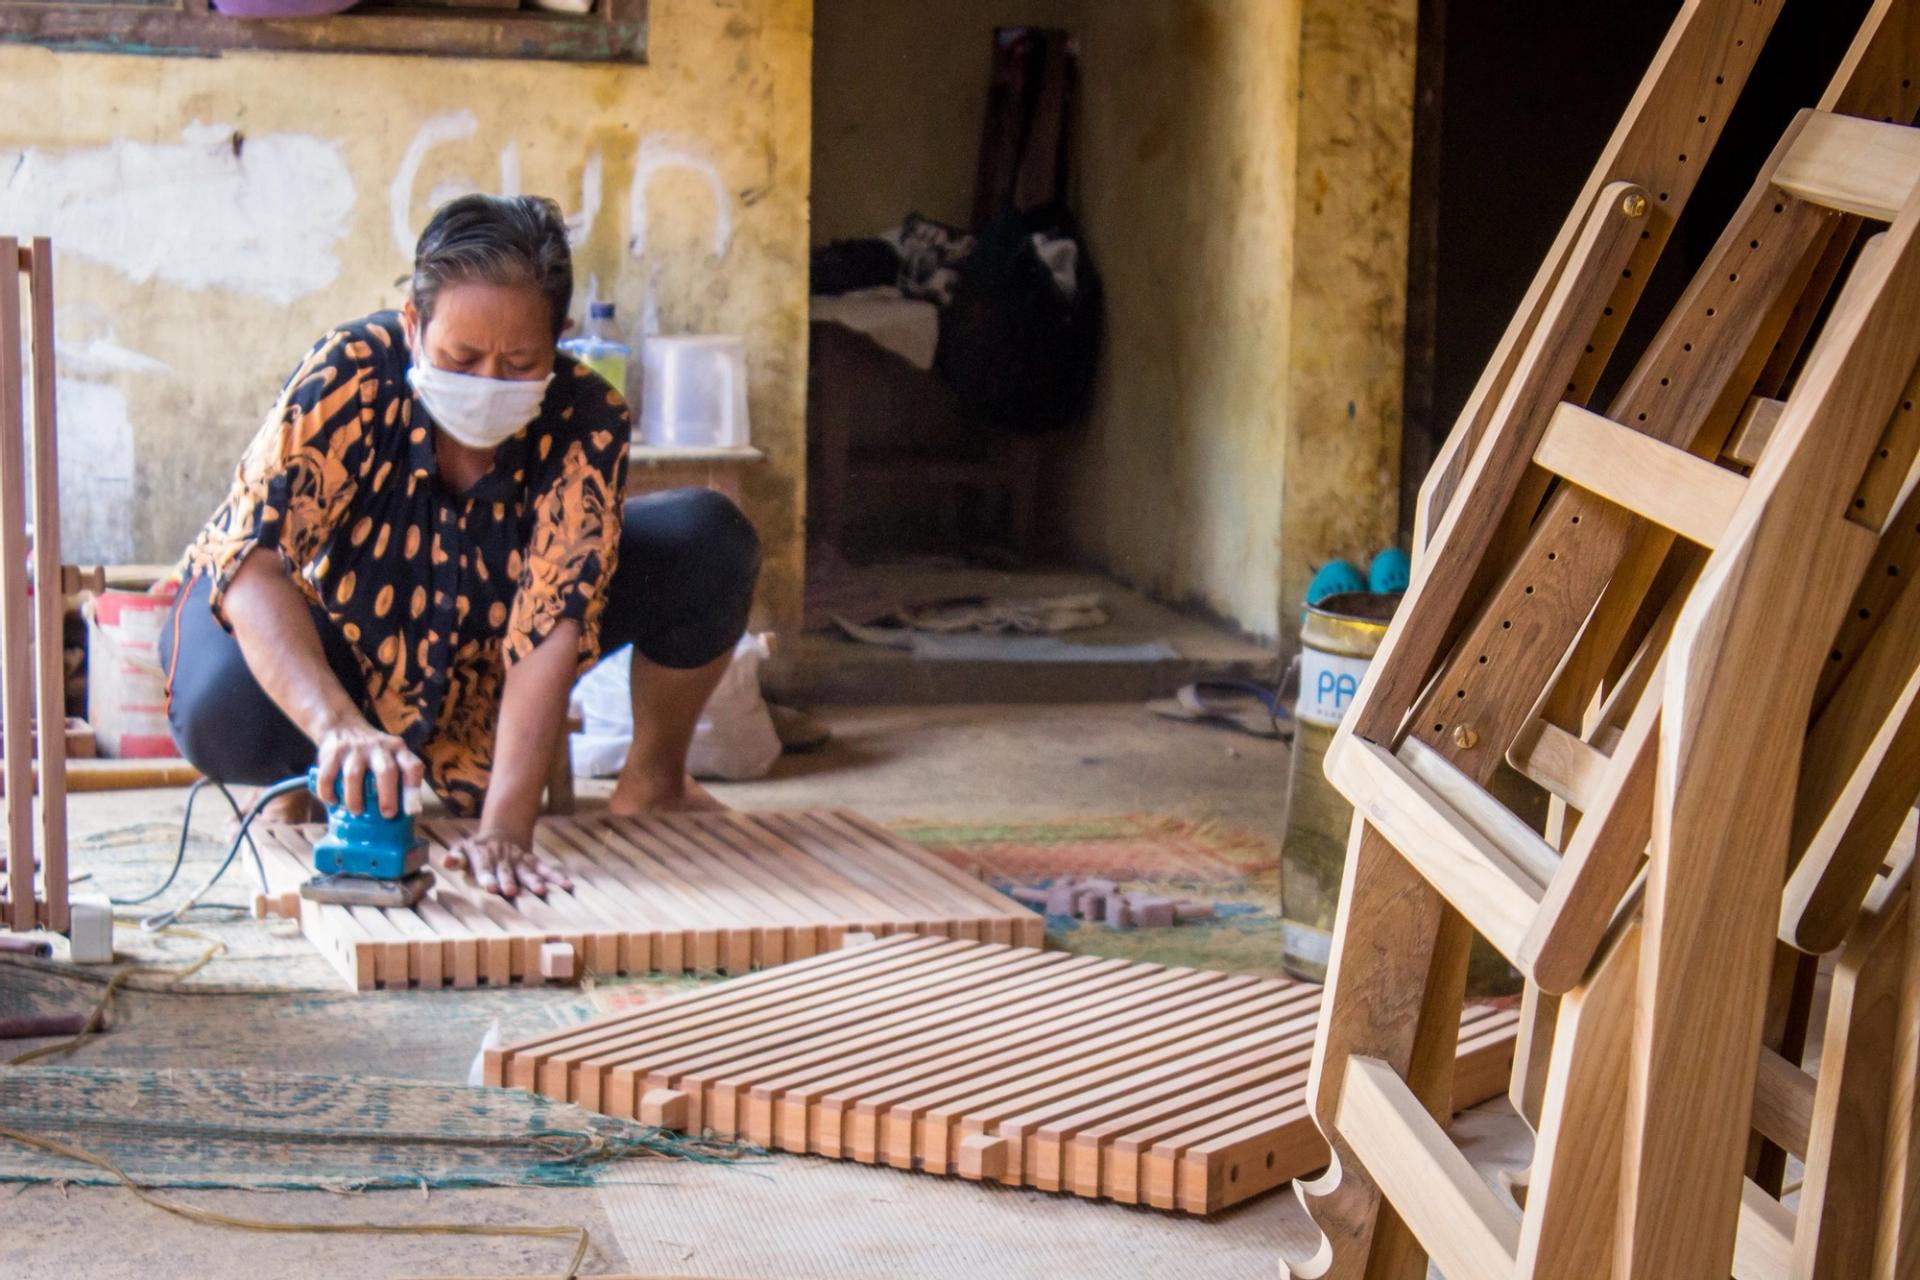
x: 260, y: 216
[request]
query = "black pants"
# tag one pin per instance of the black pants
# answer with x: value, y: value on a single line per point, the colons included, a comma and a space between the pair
x: 688, y: 563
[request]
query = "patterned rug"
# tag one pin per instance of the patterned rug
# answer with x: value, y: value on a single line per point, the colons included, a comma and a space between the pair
x: 1236, y: 872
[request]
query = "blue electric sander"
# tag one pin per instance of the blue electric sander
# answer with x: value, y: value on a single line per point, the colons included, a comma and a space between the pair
x: 368, y: 860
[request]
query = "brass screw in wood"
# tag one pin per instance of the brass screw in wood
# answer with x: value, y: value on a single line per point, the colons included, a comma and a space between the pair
x: 1634, y: 204
x: 1465, y: 737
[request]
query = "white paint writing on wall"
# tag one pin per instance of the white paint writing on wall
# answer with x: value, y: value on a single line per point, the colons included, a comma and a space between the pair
x: 458, y: 126
x: 435, y: 132
x: 259, y: 216
x: 663, y: 151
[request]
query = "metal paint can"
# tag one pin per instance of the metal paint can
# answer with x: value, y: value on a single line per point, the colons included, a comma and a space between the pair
x: 1338, y: 639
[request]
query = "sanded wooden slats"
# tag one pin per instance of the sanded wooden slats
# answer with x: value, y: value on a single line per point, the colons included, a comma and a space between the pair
x: 678, y: 893
x: 1183, y: 1089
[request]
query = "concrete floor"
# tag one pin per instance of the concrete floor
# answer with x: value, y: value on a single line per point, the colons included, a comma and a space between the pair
x: 824, y: 666
x: 948, y: 763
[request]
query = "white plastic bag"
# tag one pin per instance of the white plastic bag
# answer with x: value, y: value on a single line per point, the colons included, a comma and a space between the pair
x: 734, y: 741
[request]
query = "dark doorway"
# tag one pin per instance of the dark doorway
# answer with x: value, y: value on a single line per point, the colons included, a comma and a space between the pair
x: 1514, y: 104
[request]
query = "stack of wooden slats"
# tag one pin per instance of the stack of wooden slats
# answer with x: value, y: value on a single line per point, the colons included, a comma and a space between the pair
x: 1687, y: 619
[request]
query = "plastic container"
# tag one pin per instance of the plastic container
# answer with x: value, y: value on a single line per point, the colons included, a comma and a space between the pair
x: 601, y: 348
x: 126, y: 689
x: 695, y: 393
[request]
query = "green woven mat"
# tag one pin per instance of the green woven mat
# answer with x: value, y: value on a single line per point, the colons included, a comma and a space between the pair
x: 272, y: 1130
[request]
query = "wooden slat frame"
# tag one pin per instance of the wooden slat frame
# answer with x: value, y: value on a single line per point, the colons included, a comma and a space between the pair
x: 723, y: 891
x: 33, y: 683
x: 1174, y: 1088
x: 1401, y: 981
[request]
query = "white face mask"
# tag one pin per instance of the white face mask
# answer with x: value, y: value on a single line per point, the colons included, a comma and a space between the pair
x: 481, y: 413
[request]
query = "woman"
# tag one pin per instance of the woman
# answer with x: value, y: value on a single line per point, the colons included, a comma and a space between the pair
x: 425, y: 545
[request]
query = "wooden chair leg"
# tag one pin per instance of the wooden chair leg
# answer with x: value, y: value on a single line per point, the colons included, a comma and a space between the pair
x: 1571, y: 1197
x: 1840, y: 1201
x: 1896, y: 1249
x: 1393, y: 1003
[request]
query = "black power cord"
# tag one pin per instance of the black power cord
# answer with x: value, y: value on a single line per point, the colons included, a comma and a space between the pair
x: 241, y: 836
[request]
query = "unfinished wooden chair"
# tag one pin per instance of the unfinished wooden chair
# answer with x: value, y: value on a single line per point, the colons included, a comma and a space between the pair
x: 32, y: 680
x: 1790, y: 545
x: 1858, y: 1205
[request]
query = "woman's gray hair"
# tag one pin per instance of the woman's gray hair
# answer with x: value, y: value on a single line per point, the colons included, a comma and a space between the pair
x: 502, y: 240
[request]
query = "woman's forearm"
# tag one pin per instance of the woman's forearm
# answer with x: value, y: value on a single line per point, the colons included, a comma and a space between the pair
x: 277, y: 637
x: 533, y: 714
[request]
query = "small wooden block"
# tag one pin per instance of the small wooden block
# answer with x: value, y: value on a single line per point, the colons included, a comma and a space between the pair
x: 664, y: 1109
x: 982, y: 1156
x: 556, y: 961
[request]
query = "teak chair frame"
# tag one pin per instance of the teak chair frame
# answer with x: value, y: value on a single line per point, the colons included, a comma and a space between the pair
x: 1550, y: 914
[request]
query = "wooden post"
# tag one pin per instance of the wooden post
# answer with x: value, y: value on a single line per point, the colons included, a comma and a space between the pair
x: 32, y: 677
x: 50, y: 702
x: 16, y: 687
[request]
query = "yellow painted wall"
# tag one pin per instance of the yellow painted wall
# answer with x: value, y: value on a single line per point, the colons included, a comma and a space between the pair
x: 900, y: 94
x: 1346, y: 357
x: 214, y: 216
x: 1186, y: 160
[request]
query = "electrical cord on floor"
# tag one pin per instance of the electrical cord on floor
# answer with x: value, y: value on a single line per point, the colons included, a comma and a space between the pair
x: 162, y: 919
x: 186, y: 834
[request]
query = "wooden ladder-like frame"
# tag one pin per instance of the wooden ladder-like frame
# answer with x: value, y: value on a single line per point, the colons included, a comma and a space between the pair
x: 1583, y: 571
x: 32, y: 677
x: 1747, y: 647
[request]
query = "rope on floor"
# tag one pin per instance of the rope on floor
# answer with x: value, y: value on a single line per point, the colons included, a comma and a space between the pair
x: 194, y: 1213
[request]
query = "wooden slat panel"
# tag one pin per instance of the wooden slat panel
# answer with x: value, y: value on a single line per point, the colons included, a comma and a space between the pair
x: 1180, y: 1088
x: 684, y: 892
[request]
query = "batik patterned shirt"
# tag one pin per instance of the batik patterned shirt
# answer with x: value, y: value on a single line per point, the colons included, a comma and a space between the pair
x: 438, y: 594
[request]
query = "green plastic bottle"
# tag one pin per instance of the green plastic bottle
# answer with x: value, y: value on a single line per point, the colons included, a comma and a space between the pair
x: 600, y: 347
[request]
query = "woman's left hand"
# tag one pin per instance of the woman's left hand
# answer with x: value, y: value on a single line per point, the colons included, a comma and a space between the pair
x: 505, y: 864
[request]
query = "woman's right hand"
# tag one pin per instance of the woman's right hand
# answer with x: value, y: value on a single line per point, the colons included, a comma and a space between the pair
x: 351, y: 752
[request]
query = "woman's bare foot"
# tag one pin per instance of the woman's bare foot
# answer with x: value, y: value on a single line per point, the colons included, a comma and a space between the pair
x: 633, y: 797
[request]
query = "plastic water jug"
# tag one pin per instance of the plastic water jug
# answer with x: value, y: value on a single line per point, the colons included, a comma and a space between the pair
x: 695, y: 392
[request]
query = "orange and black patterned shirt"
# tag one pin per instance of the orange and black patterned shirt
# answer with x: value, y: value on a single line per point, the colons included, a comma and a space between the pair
x: 438, y: 593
